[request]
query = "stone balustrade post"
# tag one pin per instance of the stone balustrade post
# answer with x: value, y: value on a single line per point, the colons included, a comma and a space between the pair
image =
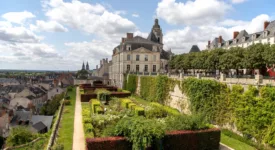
x: 259, y: 78
x: 222, y: 77
x: 198, y: 76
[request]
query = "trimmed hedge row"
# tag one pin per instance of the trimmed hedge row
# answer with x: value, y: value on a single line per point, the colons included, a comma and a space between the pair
x: 169, y: 110
x: 95, y: 107
x: 174, y: 140
x: 129, y: 104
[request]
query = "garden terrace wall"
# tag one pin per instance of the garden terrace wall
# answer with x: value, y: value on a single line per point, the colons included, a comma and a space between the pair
x: 109, y: 88
x: 88, y: 97
x: 174, y: 140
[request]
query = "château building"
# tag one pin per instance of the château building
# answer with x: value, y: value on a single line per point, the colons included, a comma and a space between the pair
x: 139, y: 55
x: 244, y: 39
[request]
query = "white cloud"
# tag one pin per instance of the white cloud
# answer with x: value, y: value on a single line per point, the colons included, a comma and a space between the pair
x: 231, y: 22
x: 196, y: 12
x: 181, y: 40
x: 18, y: 17
x: 17, y: 34
x: 238, y: 1
x: 136, y: 15
x: 50, y: 26
x: 93, y: 19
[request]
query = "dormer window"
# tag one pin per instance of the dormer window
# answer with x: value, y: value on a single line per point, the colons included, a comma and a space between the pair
x: 227, y: 43
x: 243, y: 39
x: 235, y: 41
x: 128, y: 47
x: 266, y: 33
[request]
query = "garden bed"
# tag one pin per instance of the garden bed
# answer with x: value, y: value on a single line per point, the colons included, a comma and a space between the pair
x: 128, y: 123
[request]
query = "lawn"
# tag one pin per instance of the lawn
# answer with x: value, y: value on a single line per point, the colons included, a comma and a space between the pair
x: 235, y: 144
x: 66, y: 129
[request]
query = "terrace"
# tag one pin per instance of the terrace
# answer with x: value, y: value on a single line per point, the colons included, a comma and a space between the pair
x: 133, y: 123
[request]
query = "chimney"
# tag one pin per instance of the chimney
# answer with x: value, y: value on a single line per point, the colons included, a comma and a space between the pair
x: 122, y: 40
x: 235, y: 34
x: 130, y: 35
x: 266, y: 23
x: 220, y: 39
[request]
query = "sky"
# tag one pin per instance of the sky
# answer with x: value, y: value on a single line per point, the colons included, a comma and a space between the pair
x: 61, y: 34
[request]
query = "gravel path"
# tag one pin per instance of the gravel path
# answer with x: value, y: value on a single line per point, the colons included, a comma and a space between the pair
x: 79, y: 138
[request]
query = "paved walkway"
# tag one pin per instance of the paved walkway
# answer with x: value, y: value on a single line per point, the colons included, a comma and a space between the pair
x: 79, y: 138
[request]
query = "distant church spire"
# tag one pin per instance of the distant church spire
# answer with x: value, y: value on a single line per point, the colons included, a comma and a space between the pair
x: 83, y: 66
x: 87, y: 66
x: 156, y: 33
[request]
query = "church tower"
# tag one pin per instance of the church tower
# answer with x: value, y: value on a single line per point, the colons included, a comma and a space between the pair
x: 83, y: 66
x: 87, y: 66
x: 156, y: 33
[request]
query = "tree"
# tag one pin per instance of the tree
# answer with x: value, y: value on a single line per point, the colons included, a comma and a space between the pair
x: 19, y: 135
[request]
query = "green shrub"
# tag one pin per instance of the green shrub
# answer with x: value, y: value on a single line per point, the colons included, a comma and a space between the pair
x: 103, y: 94
x: 94, y: 103
x: 139, y: 111
x: 131, y: 105
x: 270, y: 136
x: 67, y: 102
x: 184, y: 122
x: 125, y: 103
x: 140, y: 131
x: 155, y: 110
x: 1, y: 141
x: 87, y: 120
x: 99, y: 110
x: 19, y: 135
x: 100, y: 122
x: 119, y: 90
x: 70, y: 88
x: 81, y: 91
x: 88, y: 127
x: 171, y: 111
x: 131, y: 83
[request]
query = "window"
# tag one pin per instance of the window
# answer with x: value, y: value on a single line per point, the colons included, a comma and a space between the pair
x: 137, y: 57
x: 154, y: 68
x: 137, y: 68
x: 146, y: 68
x: 128, y: 57
x: 146, y: 58
x: 154, y: 58
x: 128, y: 47
x: 128, y: 68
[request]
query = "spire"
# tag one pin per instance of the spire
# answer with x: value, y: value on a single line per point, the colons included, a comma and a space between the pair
x: 83, y: 66
x: 156, y: 25
x: 87, y: 66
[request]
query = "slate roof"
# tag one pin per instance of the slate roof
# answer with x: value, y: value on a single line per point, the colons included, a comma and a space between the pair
x: 46, y: 120
x: 249, y: 37
x: 39, y: 126
x: 20, y: 101
x: 8, y: 80
x: 194, y: 48
x: 21, y: 115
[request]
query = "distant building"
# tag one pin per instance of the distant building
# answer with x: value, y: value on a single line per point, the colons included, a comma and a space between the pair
x: 139, y: 55
x: 87, y: 66
x: 244, y: 39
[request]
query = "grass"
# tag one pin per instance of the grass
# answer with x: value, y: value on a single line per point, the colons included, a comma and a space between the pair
x: 36, y: 146
x: 235, y: 144
x: 66, y: 129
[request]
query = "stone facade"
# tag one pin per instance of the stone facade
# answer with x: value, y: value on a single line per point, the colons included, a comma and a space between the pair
x: 243, y: 39
x: 139, y: 55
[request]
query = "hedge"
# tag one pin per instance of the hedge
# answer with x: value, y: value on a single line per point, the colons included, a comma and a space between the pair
x: 175, y: 140
x: 125, y: 103
x: 99, y: 110
x: 139, y: 111
x: 131, y: 105
x: 94, y: 103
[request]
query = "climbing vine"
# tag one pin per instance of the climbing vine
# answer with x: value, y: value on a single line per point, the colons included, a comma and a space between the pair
x: 131, y: 83
x: 252, y: 111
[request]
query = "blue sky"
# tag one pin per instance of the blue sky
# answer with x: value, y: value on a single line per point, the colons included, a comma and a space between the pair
x: 61, y: 34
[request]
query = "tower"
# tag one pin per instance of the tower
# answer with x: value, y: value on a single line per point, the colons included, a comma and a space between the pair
x: 83, y: 66
x: 87, y: 66
x: 156, y: 33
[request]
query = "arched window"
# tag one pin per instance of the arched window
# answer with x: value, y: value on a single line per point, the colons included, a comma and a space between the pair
x: 158, y: 39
